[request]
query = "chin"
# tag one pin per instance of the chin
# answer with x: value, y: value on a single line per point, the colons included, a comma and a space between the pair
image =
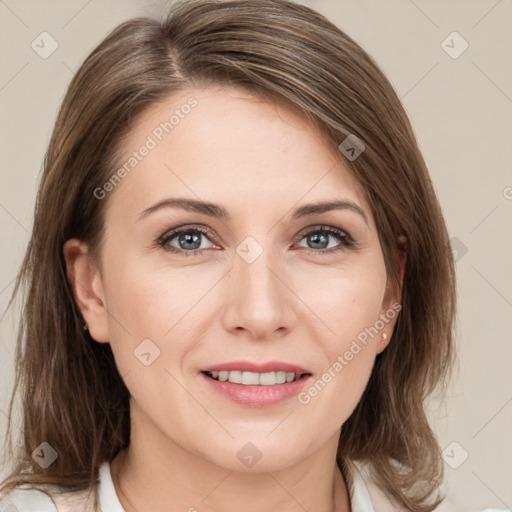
x: 255, y: 456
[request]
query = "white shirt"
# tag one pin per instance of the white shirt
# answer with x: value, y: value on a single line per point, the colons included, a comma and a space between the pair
x: 34, y: 500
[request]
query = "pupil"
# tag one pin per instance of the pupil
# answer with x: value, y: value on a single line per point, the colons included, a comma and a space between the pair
x: 193, y: 239
x: 321, y: 239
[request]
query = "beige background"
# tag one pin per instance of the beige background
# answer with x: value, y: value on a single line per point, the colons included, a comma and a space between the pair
x: 461, y: 111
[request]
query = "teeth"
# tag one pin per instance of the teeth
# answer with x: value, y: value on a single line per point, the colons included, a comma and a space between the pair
x: 248, y: 378
x: 254, y: 379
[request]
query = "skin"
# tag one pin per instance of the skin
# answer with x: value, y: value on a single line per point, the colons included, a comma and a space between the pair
x: 260, y: 161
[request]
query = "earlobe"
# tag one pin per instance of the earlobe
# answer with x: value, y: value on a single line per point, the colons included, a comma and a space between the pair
x: 383, y: 343
x: 85, y: 280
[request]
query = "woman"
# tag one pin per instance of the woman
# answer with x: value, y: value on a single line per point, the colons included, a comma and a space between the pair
x: 240, y: 288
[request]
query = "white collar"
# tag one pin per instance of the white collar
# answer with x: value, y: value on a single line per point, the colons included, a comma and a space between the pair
x: 360, y: 499
x: 108, y: 500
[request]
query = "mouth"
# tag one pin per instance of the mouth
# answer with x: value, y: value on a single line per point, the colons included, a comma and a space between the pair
x: 256, y: 385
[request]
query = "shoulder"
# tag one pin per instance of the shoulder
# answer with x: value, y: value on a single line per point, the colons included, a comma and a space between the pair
x: 27, y: 499
x: 45, y: 498
x: 373, y: 498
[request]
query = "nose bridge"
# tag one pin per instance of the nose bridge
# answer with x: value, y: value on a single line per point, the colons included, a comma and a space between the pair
x: 255, y: 270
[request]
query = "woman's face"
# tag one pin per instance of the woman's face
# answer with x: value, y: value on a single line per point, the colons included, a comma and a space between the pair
x: 272, y: 286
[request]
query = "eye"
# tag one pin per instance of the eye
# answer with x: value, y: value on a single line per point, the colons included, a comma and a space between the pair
x: 187, y: 238
x: 319, y: 236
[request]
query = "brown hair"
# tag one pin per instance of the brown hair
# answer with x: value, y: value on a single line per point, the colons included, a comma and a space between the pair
x: 72, y: 394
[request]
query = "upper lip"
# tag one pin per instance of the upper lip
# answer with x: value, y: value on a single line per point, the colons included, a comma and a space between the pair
x: 247, y: 366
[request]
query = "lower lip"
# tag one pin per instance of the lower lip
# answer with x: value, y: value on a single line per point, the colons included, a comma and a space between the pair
x: 257, y: 396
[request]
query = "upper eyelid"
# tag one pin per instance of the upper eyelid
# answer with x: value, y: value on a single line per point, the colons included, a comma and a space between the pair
x: 321, y: 227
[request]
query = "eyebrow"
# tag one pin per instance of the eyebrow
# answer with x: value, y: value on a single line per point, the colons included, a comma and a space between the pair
x: 218, y: 211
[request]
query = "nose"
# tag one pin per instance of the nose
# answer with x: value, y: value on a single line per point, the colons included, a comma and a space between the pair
x: 259, y: 300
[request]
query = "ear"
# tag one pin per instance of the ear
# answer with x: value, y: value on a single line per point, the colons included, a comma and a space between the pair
x: 393, y: 296
x: 86, y: 282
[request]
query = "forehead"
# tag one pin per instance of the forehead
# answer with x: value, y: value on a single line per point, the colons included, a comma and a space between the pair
x: 230, y: 147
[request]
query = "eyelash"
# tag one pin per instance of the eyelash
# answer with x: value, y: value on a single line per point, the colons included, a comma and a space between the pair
x: 346, y: 240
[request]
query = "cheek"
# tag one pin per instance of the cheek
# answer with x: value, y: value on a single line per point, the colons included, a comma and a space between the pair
x: 157, y: 317
x: 345, y: 299
x: 333, y: 394
x: 347, y: 305
x: 149, y: 299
